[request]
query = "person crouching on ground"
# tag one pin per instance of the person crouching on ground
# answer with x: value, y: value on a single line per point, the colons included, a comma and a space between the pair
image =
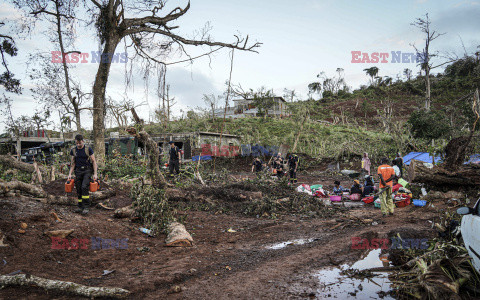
x: 257, y: 166
x: 356, y: 188
x: 82, y: 162
x: 278, y: 165
x: 369, y: 187
x: 338, y: 189
x: 386, y: 174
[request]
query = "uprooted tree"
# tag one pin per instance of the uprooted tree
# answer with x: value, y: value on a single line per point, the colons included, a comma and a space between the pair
x: 143, y: 25
x: 452, y: 171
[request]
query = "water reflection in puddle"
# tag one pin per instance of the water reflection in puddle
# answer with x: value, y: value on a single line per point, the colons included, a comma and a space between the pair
x: 289, y: 243
x: 335, y: 285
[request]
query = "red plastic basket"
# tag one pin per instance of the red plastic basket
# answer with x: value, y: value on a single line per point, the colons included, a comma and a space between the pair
x: 368, y: 200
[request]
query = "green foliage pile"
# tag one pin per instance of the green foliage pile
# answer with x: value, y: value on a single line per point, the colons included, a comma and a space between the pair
x: 152, y: 206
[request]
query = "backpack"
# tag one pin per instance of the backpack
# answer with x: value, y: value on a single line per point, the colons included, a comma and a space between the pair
x: 86, y: 147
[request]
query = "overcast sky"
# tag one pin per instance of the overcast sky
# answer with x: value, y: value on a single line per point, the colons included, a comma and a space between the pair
x: 300, y: 39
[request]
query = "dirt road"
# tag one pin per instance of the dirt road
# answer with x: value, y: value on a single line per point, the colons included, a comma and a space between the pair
x: 245, y: 264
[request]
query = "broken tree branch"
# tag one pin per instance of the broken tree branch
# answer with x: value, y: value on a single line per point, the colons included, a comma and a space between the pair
x: 64, y: 286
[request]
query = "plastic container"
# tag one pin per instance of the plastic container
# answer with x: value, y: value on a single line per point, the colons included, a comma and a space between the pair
x: 418, y: 202
x: 402, y: 203
x: 368, y: 200
x: 94, y: 185
x: 376, y: 204
x: 334, y: 198
x: 69, y: 185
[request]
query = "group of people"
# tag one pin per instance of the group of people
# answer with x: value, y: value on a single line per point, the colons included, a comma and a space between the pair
x: 279, y: 166
x: 367, y: 189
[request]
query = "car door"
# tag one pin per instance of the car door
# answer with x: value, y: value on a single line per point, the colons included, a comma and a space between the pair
x: 470, y: 229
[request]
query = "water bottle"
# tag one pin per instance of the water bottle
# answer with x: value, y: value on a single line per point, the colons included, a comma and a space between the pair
x: 146, y: 231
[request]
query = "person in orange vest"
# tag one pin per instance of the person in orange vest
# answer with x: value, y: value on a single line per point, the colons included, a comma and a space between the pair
x: 386, y: 174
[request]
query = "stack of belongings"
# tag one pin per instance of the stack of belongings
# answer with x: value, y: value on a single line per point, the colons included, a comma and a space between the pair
x: 401, y: 195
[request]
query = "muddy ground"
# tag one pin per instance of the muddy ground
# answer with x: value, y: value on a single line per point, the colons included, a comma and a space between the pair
x: 221, y: 264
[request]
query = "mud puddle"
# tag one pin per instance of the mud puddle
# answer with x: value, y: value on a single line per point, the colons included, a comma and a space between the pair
x: 335, y: 284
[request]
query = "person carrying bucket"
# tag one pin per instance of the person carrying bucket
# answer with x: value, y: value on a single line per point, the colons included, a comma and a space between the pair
x: 82, y: 162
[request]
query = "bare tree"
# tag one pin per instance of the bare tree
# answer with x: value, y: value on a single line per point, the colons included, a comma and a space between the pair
x: 408, y: 73
x: 120, y: 110
x: 426, y: 56
x: 331, y: 85
x: 145, y: 26
x: 52, y: 92
x: 163, y: 113
x: 211, y: 101
x: 289, y: 95
x: 55, y: 86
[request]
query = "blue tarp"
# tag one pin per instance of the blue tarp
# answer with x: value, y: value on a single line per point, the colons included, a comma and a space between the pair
x: 425, y: 157
x: 422, y: 156
x: 202, y: 157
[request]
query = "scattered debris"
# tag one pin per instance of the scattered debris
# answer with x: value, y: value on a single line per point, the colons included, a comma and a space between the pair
x: 231, y: 230
x: 146, y: 231
x: 143, y: 249
x: 23, y: 225
x: 174, y: 289
x: 101, y: 205
x: 59, y: 233
x: 107, y: 272
x: 55, y: 217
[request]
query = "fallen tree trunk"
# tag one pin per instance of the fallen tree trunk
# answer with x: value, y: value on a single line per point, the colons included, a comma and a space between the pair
x: 10, y: 162
x: 467, y: 175
x: 178, y: 236
x: 38, y: 192
x: 30, y: 189
x: 64, y: 286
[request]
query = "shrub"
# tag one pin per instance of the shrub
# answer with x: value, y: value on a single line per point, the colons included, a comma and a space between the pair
x: 429, y: 125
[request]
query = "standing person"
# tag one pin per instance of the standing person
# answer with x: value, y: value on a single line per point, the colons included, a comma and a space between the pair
x: 82, y: 162
x: 399, y: 161
x: 175, y: 159
x: 386, y: 174
x: 395, y: 167
x: 293, y: 166
x: 257, y: 165
x: 366, y: 164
